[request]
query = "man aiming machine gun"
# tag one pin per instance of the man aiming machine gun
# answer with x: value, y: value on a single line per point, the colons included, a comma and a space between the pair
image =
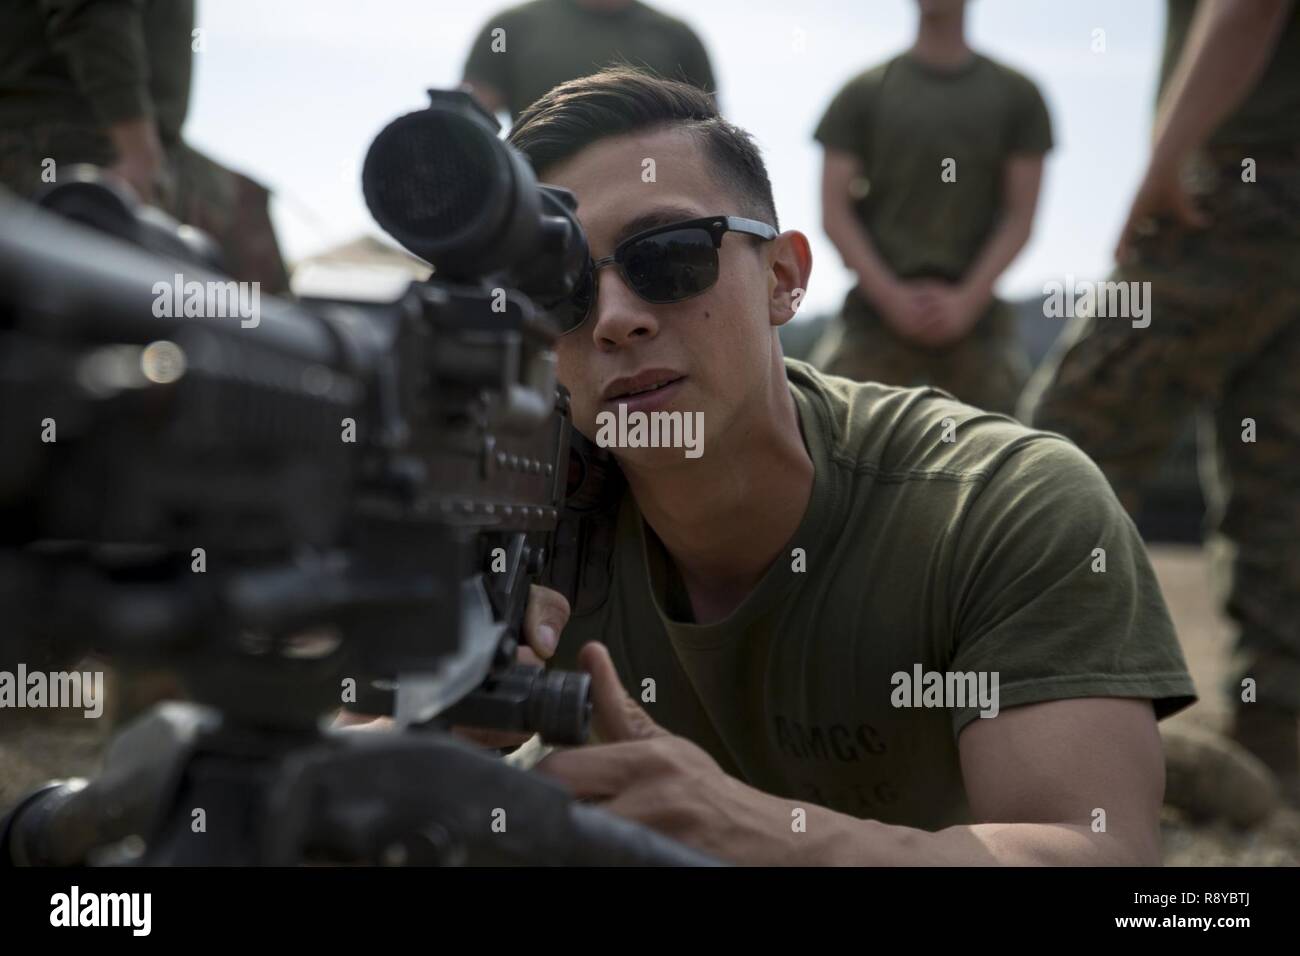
x: 288, y: 505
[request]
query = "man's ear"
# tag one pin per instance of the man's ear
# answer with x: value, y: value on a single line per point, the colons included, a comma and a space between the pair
x: 789, y: 266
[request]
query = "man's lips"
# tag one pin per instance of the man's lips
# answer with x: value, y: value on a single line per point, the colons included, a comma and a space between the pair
x: 645, y: 382
x: 654, y: 397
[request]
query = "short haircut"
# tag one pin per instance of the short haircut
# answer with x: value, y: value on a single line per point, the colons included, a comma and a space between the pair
x: 621, y: 100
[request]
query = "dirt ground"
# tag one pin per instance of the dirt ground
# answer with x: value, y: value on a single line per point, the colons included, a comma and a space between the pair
x: 51, y: 748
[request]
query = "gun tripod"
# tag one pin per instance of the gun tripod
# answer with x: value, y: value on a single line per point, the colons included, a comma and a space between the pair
x: 182, y: 786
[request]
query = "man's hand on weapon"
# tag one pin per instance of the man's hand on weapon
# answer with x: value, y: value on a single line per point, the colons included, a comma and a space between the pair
x: 640, y: 771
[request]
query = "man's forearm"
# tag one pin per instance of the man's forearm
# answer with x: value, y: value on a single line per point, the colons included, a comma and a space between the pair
x: 859, y: 253
x: 1231, y: 42
x: 998, y: 252
x: 837, y: 839
x: 140, y: 155
x: 135, y: 137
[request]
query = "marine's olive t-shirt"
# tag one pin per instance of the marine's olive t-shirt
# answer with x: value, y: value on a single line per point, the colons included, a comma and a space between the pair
x: 548, y: 42
x: 96, y: 64
x: 971, y: 555
x: 1271, y: 111
x: 903, y: 120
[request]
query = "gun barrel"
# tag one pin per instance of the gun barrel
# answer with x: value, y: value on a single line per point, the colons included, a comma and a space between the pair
x: 75, y: 281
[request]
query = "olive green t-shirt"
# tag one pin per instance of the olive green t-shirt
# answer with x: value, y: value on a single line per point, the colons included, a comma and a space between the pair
x: 96, y: 63
x: 971, y: 555
x: 903, y: 120
x: 548, y: 42
x: 1271, y: 111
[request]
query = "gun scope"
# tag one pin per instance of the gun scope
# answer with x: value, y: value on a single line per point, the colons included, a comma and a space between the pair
x: 444, y: 184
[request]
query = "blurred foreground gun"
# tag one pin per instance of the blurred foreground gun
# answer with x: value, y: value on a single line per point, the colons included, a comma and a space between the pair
x: 297, y: 506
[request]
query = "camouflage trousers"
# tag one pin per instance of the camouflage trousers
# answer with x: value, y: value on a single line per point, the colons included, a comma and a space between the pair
x: 988, y: 368
x: 1223, y: 342
x: 195, y: 189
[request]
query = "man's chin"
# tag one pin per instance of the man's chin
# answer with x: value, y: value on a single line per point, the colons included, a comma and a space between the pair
x: 650, y: 460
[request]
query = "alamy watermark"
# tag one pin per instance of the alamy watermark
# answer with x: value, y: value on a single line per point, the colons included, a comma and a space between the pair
x: 75, y: 908
x: 214, y: 300
x: 651, y: 430
x: 950, y: 690
x: 1105, y: 300
x: 61, y: 689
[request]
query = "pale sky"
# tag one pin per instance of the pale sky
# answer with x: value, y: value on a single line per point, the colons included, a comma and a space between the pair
x: 292, y: 91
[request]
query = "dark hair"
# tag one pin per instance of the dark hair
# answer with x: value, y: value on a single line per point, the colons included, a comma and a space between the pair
x: 623, y: 99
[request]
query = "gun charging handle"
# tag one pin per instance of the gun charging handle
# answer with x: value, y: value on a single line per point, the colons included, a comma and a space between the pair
x: 529, y: 698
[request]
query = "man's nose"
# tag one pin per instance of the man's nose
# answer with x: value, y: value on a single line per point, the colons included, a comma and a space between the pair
x: 621, y: 316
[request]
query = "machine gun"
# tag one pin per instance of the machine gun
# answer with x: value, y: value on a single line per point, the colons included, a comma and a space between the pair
x: 297, y: 506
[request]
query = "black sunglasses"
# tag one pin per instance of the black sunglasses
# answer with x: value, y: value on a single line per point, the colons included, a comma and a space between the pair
x: 664, y: 264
